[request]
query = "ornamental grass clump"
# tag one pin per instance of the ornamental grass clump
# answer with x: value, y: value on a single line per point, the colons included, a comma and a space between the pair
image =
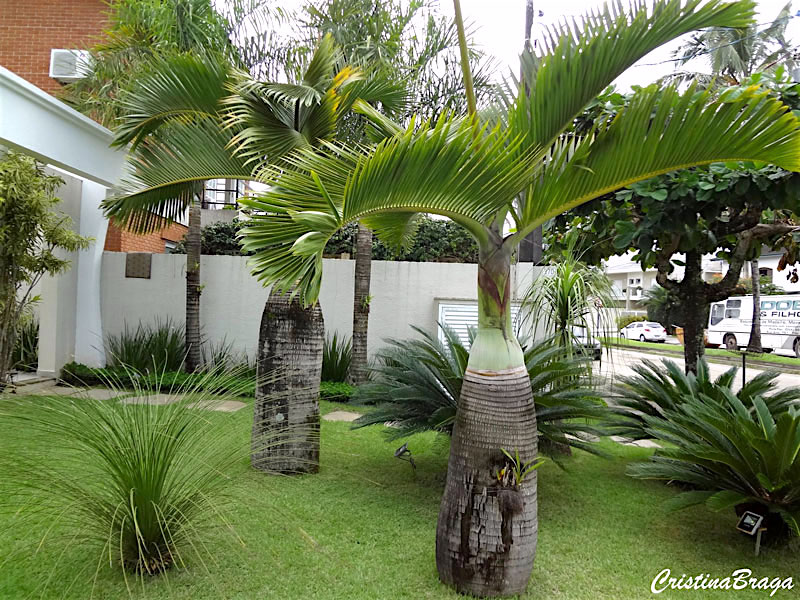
x: 142, y: 479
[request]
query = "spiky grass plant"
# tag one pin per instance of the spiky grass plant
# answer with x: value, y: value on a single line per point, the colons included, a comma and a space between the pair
x: 148, y: 348
x: 143, y: 478
x: 25, y: 356
x: 336, y: 355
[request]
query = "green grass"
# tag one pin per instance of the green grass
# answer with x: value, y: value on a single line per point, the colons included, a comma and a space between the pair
x: 364, y: 529
x: 711, y: 352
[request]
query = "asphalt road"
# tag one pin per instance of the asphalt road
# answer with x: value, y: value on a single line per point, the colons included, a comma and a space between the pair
x: 620, y: 362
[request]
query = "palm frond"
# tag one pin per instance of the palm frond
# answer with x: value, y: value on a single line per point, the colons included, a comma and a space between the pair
x: 184, y: 88
x: 447, y: 168
x: 167, y: 173
x: 662, y: 131
x: 583, y: 57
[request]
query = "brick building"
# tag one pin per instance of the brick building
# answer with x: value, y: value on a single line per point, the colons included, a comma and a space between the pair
x: 29, y: 30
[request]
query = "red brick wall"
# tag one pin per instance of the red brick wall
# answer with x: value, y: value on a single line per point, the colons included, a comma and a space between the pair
x: 122, y: 240
x: 29, y: 29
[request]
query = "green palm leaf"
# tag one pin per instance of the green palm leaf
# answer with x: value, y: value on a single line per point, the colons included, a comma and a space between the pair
x: 168, y: 171
x: 663, y: 131
x: 585, y: 56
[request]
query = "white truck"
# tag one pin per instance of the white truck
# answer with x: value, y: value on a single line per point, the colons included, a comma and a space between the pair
x: 729, y: 323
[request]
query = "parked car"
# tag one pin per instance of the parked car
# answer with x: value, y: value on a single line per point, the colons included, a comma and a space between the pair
x: 586, y: 345
x: 644, y: 331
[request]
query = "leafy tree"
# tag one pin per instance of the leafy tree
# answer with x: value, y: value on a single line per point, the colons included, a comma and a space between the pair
x: 671, y: 221
x: 663, y: 306
x: 33, y: 235
x: 474, y: 171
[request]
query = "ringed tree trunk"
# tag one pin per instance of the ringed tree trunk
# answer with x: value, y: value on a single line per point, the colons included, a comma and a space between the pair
x: 754, y: 345
x: 193, y: 289
x: 486, y: 533
x: 358, y: 362
x: 285, y: 436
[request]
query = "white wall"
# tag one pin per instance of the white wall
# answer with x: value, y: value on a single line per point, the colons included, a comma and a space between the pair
x: 403, y: 294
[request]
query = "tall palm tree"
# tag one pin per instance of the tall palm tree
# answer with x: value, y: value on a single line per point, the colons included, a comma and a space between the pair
x: 142, y: 32
x: 200, y: 105
x: 735, y: 53
x: 474, y: 171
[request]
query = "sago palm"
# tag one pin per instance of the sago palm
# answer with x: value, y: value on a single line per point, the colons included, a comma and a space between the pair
x: 520, y: 168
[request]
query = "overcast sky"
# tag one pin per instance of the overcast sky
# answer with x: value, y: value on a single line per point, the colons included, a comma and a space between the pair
x: 500, y: 24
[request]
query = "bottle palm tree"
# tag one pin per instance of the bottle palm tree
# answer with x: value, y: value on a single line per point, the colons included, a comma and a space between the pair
x: 474, y: 172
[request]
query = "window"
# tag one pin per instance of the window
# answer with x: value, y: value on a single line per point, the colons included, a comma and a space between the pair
x: 733, y: 304
x: 169, y: 246
x: 717, y: 313
x: 732, y: 313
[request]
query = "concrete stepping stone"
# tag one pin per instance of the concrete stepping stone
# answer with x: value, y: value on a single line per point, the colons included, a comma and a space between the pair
x: 153, y: 399
x: 227, y: 406
x: 341, y: 415
x: 629, y: 442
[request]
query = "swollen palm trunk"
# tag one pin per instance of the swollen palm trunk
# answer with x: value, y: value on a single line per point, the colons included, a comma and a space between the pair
x: 487, y: 529
x: 287, y: 406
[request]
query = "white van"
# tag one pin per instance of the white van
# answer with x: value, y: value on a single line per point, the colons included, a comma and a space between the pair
x: 729, y: 323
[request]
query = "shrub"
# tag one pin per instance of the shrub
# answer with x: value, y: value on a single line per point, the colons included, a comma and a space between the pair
x: 625, y: 320
x: 417, y: 383
x: 237, y: 381
x: 336, y: 391
x: 25, y: 356
x: 148, y: 348
x: 217, y: 238
x: 336, y: 356
x: 151, y: 478
x: 656, y: 389
x: 731, y: 455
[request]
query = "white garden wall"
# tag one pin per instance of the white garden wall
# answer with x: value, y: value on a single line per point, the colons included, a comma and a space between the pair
x: 403, y: 294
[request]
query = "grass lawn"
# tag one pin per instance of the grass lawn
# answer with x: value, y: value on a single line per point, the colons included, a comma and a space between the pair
x: 775, y: 359
x: 364, y: 528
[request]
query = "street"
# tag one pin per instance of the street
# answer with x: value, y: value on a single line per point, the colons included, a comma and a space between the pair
x: 620, y: 363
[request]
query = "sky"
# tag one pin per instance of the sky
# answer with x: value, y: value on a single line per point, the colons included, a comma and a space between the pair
x: 499, y: 24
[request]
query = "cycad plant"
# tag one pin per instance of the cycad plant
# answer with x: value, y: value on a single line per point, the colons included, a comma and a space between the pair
x: 522, y: 163
x: 417, y: 383
x: 731, y: 455
x: 141, y: 481
x: 657, y: 389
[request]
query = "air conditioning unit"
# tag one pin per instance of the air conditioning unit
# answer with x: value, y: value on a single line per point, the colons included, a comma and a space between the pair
x: 69, y: 65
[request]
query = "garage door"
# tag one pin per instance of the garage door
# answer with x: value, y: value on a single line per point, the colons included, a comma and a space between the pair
x: 460, y: 316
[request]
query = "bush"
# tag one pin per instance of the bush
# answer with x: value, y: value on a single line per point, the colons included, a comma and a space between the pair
x: 435, y: 240
x: 151, y: 478
x: 336, y: 391
x: 25, y: 356
x: 656, y: 389
x: 218, y: 238
x: 625, y: 320
x: 417, y: 383
x: 237, y: 381
x: 732, y: 455
x: 336, y: 356
x: 148, y: 348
